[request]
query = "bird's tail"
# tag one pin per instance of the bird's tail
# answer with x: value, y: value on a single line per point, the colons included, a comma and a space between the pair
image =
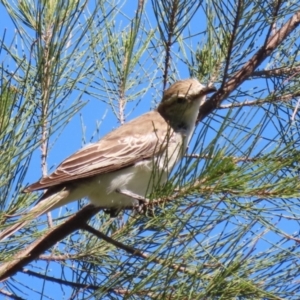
x: 45, y: 205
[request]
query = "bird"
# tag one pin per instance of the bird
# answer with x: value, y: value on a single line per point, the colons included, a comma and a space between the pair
x: 119, y: 170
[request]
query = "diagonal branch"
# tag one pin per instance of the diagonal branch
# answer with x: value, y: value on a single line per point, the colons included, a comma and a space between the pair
x: 30, y: 253
x: 247, y: 70
x: 134, y: 251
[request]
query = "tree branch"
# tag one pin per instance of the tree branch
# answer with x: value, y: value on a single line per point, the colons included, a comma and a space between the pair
x: 247, y: 70
x: 54, y: 235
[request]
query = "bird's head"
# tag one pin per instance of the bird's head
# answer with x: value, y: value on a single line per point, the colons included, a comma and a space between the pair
x: 181, y: 102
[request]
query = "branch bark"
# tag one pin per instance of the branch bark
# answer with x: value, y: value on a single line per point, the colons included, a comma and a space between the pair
x: 54, y: 235
x: 247, y: 70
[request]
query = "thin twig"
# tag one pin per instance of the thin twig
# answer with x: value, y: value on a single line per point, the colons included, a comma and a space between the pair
x: 234, y: 158
x: 46, y: 88
x: 169, y: 42
x: 61, y: 281
x: 237, y: 19
x: 283, y: 98
x: 132, y: 250
x: 10, y: 295
x: 284, y: 71
x: 295, y: 110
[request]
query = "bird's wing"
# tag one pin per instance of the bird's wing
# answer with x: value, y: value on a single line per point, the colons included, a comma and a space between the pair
x: 139, y: 139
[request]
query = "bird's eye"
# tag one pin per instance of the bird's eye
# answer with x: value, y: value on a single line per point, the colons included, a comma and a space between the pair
x: 180, y: 100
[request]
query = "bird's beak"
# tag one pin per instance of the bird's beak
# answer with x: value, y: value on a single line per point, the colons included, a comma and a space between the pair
x: 207, y: 90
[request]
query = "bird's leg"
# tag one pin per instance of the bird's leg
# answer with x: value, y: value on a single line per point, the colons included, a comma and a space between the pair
x: 113, y: 212
x: 130, y: 194
x: 140, y: 207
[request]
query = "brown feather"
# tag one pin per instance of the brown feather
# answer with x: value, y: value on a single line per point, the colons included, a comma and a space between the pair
x: 123, y: 147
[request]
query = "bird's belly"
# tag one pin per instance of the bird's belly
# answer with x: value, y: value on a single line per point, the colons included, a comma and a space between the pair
x: 139, y: 179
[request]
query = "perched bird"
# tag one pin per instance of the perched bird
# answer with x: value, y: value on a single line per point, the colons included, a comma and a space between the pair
x: 129, y: 161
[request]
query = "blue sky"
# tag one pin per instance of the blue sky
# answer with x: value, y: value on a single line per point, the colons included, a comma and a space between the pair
x: 82, y: 130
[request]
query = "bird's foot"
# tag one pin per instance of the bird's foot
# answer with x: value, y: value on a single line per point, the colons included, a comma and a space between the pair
x: 141, y: 205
